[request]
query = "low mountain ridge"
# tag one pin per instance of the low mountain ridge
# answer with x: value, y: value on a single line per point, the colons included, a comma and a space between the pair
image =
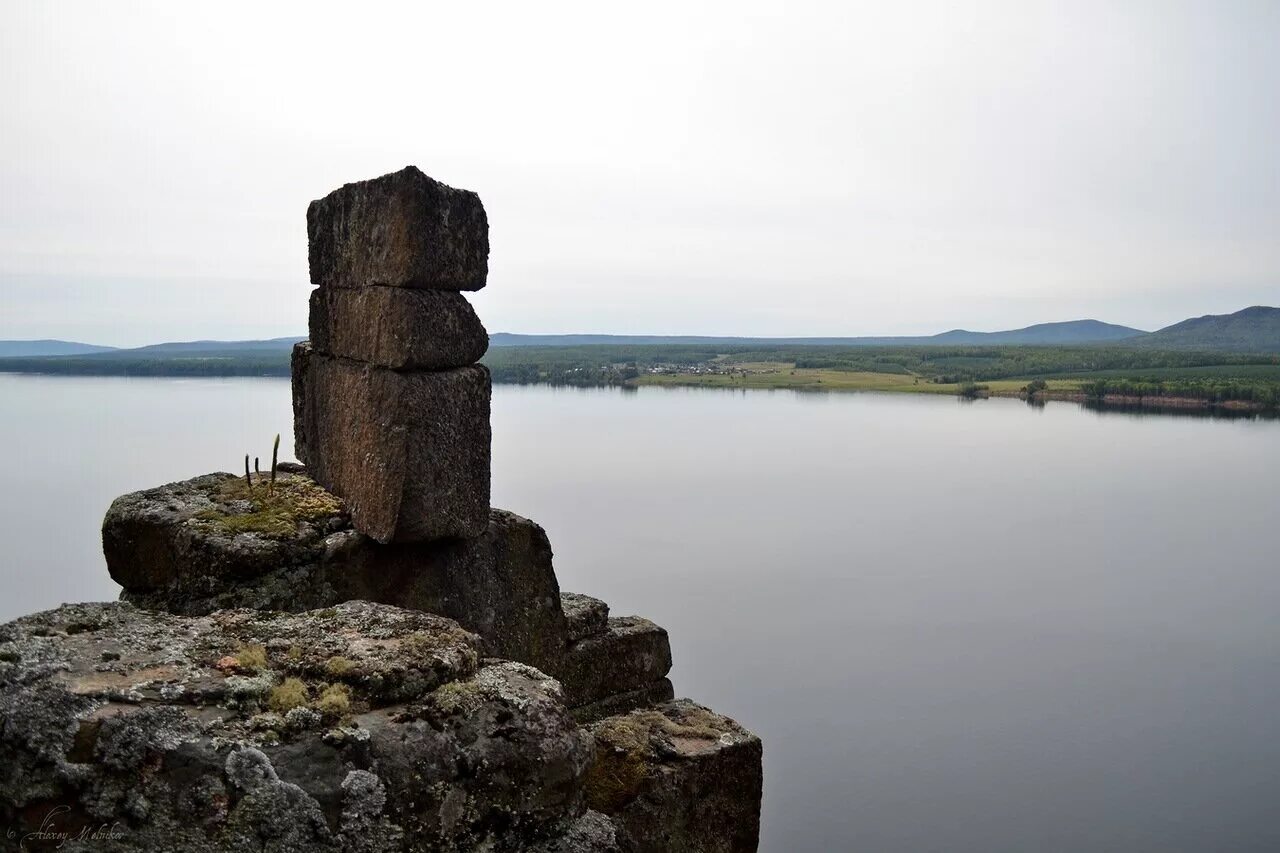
x: 180, y: 347
x: 48, y: 347
x: 1069, y: 332
x: 1253, y: 329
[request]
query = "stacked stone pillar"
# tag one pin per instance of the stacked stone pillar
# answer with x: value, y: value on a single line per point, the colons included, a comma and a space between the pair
x: 391, y: 410
x: 391, y: 414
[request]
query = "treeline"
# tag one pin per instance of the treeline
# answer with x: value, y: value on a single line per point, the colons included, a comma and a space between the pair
x: 248, y: 363
x: 1263, y: 394
x: 951, y: 365
x: 1123, y: 371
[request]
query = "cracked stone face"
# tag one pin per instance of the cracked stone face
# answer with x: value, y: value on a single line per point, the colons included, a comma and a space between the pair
x: 397, y: 327
x: 407, y: 452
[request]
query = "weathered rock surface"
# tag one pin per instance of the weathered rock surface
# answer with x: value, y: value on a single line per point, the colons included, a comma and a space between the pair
x: 407, y: 452
x: 502, y: 584
x: 632, y: 654
x: 197, y: 537
x: 402, y: 230
x: 586, y: 616
x: 678, y: 777
x: 211, y: 543
x: 593, y: 833
x: 397, y: 327
x: 362, y: 727
x: 203, y: 545
x: 622, y: 702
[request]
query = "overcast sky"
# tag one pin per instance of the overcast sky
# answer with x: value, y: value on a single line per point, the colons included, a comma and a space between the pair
x: 731, y: 168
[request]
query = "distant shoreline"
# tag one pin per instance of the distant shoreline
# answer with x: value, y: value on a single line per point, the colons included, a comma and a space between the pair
x: 1108, y: 376
x: 1109, y: 402
x: 1123, y: 401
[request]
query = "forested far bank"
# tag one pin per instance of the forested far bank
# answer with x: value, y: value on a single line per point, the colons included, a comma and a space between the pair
x: 1091, y: 371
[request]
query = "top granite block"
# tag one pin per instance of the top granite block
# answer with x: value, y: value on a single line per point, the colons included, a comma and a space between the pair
x: 400, y: 230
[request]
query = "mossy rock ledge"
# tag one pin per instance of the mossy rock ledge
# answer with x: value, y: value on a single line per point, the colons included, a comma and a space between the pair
x: 126, y: 729
x: 218, y: 528
x: 213, y: 542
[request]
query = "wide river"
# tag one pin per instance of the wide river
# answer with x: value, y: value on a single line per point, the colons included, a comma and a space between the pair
x: 957, y: 626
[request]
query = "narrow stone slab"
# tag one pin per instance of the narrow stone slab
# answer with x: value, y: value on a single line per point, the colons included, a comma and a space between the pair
x: 585, y: 615
x: 397, y: 327
x: 211, y: 543
x: 303, y: 397
x: 362, y: 727
x: 402, y: 230
x: 631, y: 654
x: 678, y: 777
x: 656, y: 693
x: 407, y: 452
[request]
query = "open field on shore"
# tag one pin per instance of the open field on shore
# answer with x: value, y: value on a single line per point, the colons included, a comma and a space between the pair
x: 785, y: 375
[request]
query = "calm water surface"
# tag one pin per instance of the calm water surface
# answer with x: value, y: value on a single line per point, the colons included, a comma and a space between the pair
x: 958, y: 627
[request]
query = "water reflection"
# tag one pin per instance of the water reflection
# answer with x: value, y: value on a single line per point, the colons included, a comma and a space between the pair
x: 1213, y: 413
x: 982, y: 627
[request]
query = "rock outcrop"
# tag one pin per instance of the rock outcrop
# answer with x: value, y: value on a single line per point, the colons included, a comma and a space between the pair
x: 200, y: 545
x: 359, y: 653
x: 675, y: 777
x: 361, y: 727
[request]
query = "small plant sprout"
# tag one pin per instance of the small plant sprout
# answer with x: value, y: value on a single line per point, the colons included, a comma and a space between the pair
x: 247, y: 479
x: 275, y: 453
x: 256, y: 469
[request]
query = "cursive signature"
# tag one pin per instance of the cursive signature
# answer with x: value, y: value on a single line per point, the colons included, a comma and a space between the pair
x: 49, y: 833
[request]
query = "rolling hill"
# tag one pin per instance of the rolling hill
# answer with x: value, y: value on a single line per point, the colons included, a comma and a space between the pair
x: 1255, y: 329
x: 205, y: 347
x: 48, y: 347
x: 1045, y: 334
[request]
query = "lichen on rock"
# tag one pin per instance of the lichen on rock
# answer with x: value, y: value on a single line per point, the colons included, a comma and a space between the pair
x: 213, y: 530
x: 678, y: 776
x: 176, y: 753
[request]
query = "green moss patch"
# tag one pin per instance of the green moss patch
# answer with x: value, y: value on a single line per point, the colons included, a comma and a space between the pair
x: 334, y: 701
x: 289, y: 694
x: 251, y: 658
x: 339, y: 667
x: 275, y: 511
x: 625, y: 752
